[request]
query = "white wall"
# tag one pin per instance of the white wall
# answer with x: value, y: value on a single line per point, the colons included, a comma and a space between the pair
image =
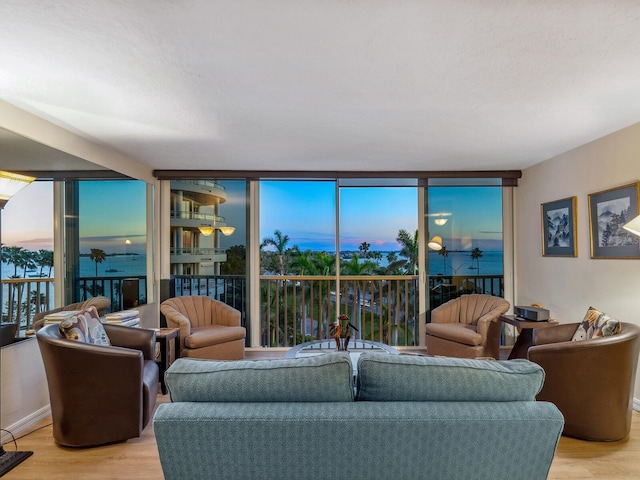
x: 568, y: 286
x: 25, y: 397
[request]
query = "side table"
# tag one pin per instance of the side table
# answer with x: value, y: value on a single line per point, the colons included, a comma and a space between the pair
x: 164, y: 336
x: 525, y: 338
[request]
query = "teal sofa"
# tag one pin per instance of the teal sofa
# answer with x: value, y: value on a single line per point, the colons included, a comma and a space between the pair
x: 407, y: 417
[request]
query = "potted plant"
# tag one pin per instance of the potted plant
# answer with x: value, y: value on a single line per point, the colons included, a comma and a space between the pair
x: 340, y: 330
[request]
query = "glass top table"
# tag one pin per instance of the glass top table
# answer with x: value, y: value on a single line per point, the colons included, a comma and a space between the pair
x: 356, y: 348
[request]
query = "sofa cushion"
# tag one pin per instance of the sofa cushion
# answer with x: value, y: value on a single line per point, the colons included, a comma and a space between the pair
x: 86, y: 327
x: 323, y: 378
x: 596, y: 324
x: 383, y: 377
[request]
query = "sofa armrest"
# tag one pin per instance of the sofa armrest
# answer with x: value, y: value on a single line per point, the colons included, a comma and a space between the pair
x: 142, y: 339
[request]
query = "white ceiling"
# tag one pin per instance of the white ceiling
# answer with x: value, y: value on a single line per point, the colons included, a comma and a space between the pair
x: 326, y: 84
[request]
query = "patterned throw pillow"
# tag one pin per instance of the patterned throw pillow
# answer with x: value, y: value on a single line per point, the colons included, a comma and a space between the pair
x: 596, y: 324
x: 85, y: 327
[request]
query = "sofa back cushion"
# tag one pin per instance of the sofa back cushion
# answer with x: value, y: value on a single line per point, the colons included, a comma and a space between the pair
x: 323, y: 378
x: 383, y: 377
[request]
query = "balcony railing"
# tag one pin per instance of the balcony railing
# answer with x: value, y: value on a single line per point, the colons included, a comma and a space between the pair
x: 297, y: 308
x: 23, y: 298
x: 293, y: 309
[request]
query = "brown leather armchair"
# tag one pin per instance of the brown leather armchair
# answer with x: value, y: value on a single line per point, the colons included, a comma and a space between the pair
x: 208, y: 328
x: 101, y: 303
x: 590, y: 381
x: 467, y: 327
x: 100, y: 394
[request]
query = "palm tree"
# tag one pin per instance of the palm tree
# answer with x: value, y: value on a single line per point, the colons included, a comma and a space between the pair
x: 279, y: 241
x: 364, y: 249
x: 13, y: 256
x: 27, y: 261
x: 44, y: 258
x: 409, y: 249
x: 476, y: 253
x: 354, y: 267
x: 97, y: 255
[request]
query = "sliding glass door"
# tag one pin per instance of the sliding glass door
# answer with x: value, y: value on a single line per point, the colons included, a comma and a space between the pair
x: 466, y: 253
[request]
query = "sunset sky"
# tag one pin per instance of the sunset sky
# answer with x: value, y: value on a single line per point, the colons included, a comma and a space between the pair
x: 113, y: 212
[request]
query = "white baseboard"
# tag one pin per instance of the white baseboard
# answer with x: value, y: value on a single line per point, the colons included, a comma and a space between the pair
x: 25, y: 425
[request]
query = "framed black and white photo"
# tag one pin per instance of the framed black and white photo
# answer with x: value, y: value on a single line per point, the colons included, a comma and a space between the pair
x: 608, y: 212
x: 559, y: 228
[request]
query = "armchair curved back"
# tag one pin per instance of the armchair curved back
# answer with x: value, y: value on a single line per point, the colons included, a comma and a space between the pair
x: 99, y: 394
x: 101, y: 303
x: 469, y: 308
x: 590, y: 381
x: 201, y: 311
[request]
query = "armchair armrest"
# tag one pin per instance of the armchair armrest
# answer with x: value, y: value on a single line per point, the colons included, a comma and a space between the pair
x: 485, y: 322
x: 175, y: 319
x: 560, y: 333
x: 142, y: 339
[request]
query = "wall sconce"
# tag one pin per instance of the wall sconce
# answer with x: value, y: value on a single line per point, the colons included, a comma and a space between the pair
x: 633, y: 226
x: 435, y: 243
x: 206, y: 230
x: 226, y: 231
x: 10, y: 184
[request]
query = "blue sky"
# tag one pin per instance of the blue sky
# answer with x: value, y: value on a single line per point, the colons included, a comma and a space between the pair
x: 115, y: 213
x: 305, y: 211
x: 27, y: 219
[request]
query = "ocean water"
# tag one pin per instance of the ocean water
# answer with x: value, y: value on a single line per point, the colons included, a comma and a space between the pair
x: 114, y: 266
x: 455, y: 263
x: 460, y: 263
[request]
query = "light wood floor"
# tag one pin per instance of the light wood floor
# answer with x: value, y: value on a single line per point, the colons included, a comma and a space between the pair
x: 138, y: 458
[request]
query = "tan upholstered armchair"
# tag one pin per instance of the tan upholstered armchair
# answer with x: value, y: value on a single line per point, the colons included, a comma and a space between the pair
x: 101, y: 304
x: 100, y: 394
x: 590, y: 381
x: 467, y: 327
x: 208, y: 328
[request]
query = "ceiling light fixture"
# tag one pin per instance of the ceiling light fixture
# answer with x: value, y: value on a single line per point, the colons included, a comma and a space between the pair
x: 440, y: 221
x: 227, y: 230
x: 10, y: 184
x: 206, y: 230
x: 435, y: 243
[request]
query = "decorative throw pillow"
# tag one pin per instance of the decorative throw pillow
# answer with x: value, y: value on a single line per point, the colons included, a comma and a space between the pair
x: 596, y: 324
x: 85, y: 327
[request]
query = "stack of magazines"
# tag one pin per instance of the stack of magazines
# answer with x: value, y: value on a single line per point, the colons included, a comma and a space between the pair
x: 58, y: 317
x: 127, y: 318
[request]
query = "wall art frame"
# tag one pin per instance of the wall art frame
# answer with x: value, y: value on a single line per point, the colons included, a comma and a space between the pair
x: 559, y: 228
x: 609, y: 210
